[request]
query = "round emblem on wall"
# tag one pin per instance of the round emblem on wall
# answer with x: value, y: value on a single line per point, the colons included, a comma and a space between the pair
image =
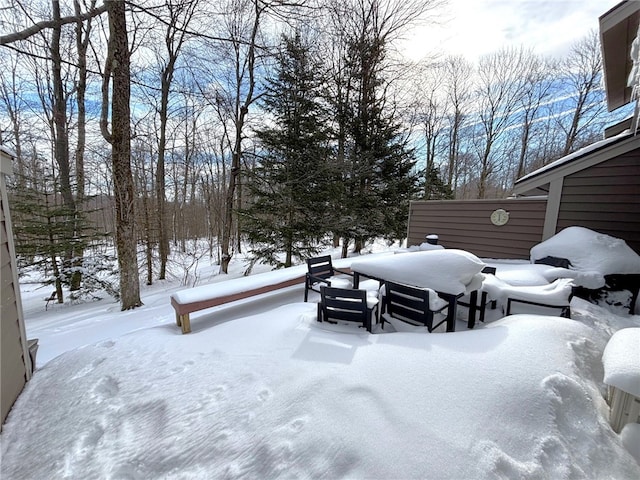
x: 499, y: 217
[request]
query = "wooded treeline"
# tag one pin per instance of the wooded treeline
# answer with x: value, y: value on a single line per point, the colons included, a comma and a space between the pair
x: 284, y: 124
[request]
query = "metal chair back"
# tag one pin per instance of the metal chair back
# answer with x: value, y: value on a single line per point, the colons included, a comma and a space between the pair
x: 344, y: 304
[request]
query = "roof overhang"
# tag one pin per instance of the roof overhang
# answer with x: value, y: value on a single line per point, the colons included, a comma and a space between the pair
x: 537, y: 183
x: 618, y: 29
x: 6, y: 156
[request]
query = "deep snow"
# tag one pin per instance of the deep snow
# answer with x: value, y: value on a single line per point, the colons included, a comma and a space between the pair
x: 259, y: 389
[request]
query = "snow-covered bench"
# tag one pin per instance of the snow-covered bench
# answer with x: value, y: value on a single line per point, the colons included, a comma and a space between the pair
x: 206, y: 296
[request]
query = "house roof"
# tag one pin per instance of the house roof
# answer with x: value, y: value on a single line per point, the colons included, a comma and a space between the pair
x: 7, y: 150
x: 536, y: 183
x: 5, y: 160
x: 618, y: 29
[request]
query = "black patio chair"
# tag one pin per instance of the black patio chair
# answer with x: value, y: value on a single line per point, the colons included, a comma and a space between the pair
x: 344, y: 304
x: 473, y: 304
x: 615, y: 282
x: 320, y: 271
x: 409, y: 305
x: 554, y: 261
x: 565, y: 309
x: 538, y: 303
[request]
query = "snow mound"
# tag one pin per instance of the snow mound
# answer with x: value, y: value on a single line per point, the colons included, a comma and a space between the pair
x: 630, y: 436
x: 621, y: 361
x: 555, y: 293
x: 589, y: 251
x: 277, y: 395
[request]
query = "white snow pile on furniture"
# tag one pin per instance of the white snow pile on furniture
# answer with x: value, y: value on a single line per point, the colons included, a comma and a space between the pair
x: 592, y: 255
x: 621, y: 360
x: 450, y: 270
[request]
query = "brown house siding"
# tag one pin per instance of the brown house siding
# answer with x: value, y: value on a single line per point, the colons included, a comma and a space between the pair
x: 466, y: 224
x: 12, y: 363
x: 605, y: 198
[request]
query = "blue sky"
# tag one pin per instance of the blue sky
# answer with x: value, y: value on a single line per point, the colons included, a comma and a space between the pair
x: 476, y: 27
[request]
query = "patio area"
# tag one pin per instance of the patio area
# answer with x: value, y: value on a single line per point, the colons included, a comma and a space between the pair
x: 261, y: 389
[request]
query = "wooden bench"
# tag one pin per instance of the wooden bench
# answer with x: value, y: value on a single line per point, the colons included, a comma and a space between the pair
x: 195, y: 299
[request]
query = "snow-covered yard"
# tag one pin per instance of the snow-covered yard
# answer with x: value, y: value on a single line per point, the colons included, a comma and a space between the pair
x: 259, y: 389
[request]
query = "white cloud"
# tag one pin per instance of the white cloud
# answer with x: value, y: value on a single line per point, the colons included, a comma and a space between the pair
x: 484, y: 26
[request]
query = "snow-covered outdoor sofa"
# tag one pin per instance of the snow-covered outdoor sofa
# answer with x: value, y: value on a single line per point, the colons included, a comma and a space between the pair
x: 574, y: 262
x: 603, y: 268
x: 554, y: 296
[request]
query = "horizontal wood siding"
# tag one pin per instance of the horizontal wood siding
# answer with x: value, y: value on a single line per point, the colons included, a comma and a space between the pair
x: 466, y: 224
x: 605, y: 198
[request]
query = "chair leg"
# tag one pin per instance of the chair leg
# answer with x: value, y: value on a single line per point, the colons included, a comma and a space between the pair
x: 473, y: 306
x: 370, y: 313
x: 319, y: 312
x: 483, y: 305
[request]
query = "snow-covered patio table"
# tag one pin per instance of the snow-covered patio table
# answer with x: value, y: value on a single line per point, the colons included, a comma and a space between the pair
x: 449, y: 274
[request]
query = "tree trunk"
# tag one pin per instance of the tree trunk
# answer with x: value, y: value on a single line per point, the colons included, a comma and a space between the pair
x: 453, y: 151
x: 82, y: 42
x: 572, y: 134
x: 485, y: 170
x: 117, y: 68
x: 242, y: 109
x: 524, y: 141
x: 61, y: 135
x: 146, y: 221
x: 163, y: 239
x: 54, y: 264
x: 345, y: 248
x: 227, y: 226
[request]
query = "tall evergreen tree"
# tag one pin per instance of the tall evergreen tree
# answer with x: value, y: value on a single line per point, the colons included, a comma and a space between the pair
x: 381, y: 178
x: 434, y: 187
x: 289, y: 182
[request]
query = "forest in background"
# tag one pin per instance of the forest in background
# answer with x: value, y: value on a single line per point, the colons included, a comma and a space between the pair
x: 282, y: 125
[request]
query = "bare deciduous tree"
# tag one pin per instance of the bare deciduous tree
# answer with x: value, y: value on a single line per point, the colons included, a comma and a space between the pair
x: 14, y: 105
x: 581, y: 72
x: 180, y: 14
x: 117, y: 82
x: 231, y: 91
x: 498, y: 94
x: 457, y: 77
x: 537, y: 89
